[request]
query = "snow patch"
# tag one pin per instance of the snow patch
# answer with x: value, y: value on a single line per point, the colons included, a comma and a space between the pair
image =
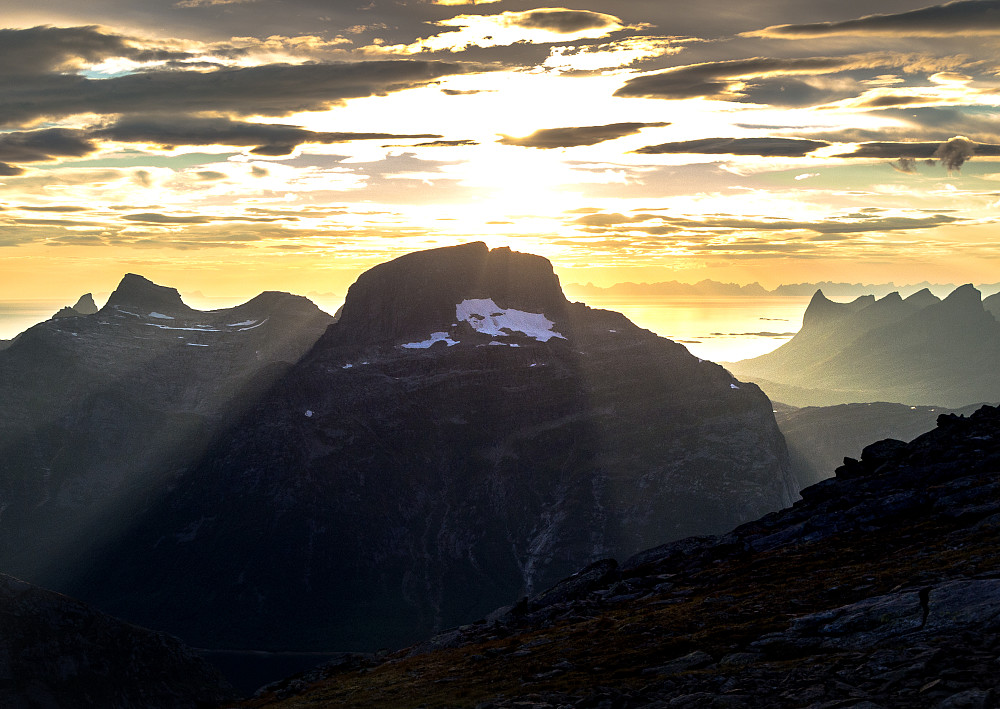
x: 487, y: 317
x: 202, y: 328
x: 244, y: 329
x: 160, y: 316
x: 435, y: 337
x: 347, y: 366
x: 733, y: 386
x: 196, y: 344
x: 241, y: 324
x: 309, y: 413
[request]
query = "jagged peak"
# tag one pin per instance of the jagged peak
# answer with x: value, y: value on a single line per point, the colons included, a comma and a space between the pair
x: 922, y: 297
x: 85, y: 305
x: 135, y: 291
x: 966, y: 294
x: 890, y: 298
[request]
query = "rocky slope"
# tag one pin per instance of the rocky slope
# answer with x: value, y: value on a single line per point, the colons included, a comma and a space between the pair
x: 880, y: 588
x: 58, y: 653
x: 820, y: 437
x: 461, y: 437
x: 100, y: 413
x: 917, y: 351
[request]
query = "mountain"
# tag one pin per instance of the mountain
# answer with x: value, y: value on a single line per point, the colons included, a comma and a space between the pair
x: 84, y: 306
x: 820, y: 437
x: 100, y: 413
x: 58, y: 653
x: 879, y: 588
x: 917, y: 351
x: 705, y: 287
x: 992, y: 305
x: 461, y: 437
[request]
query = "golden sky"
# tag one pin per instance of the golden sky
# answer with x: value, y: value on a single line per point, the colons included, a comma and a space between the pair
x: 232, y: 147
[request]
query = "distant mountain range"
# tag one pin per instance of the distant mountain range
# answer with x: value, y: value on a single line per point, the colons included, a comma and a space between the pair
x: 461, y: 437
x: 918, y: 351
x: 716, y: 288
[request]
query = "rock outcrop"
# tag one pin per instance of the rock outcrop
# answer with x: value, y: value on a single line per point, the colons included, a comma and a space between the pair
x: 820, y: 437
x: 880, y: 588
x: 461, y: 437
x: 917, y: 351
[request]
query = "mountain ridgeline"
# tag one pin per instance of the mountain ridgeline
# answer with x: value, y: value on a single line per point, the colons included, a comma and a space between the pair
x: 918, y: 351
x: 461, y: 437
x: 101, y: 412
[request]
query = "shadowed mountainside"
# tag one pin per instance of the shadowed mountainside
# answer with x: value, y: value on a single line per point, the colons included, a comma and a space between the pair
x: 100, y: 413
x: 463, y: 435
x: 880, y: 588
x: 58, y: 653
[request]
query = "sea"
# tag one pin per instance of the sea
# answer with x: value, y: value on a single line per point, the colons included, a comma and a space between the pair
x: 717, y: 328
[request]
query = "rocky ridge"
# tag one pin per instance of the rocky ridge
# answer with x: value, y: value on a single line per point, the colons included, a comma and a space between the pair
x: 462, y: 436
x: 880, y: 588
x: 917, y: 351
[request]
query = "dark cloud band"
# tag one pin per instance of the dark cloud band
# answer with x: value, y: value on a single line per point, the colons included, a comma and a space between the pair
x: 762, y: 147
x: 582, y: 135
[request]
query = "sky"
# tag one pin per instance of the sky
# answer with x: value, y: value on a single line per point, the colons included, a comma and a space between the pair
x: 234, y: 146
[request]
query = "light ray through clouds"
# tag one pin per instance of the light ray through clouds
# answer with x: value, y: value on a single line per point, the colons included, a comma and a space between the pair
x: 772, y: 142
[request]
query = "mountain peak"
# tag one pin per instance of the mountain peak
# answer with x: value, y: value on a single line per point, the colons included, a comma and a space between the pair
x: 138, y: 292
x: 86, y: 305
x: 417, y: 294
x: 965, y: 295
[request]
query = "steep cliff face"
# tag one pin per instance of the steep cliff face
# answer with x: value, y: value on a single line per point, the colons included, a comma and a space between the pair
x: 461, y: 437
x: 58, y: 653
x: 100, y: 413
x: 917, y: 351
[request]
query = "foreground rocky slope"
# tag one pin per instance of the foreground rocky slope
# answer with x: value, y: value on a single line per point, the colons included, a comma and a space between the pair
x: 880, y: 588
x: 461, y: 437
x: 100, y: 412
x: 917, y: 351
x: 58, y: 653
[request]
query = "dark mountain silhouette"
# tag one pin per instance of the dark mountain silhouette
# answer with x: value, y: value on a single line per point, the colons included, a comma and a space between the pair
x: 992, y: 305
x: 58, y: 653
x: 880, y: 588
x: 462, y: 436
x: 84, y: 306
x: 918, y: 351
x: 100, y: 414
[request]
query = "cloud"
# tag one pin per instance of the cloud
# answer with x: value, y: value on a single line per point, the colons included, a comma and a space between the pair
x: 274, y: 90
x: 562, y: 20
x: 763, y: 147
x: 42, y: 145
x: 271, y: 139
x: 964, y: 17
x: 582, y: 135
x: 734, y: 78
x: 952, y: 154
x: 7, y: 170
x: 955, y: 152
x: 538, y: 26
x: 44, y: 50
